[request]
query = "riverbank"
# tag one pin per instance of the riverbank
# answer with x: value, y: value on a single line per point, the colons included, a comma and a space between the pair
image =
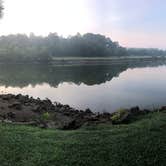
x: 25, y: 110
x: 142, y: 143
x: 77, y: 61
x: 85, y: 61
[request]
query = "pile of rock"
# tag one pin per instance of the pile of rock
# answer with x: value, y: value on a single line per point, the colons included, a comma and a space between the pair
x: 19, y: 109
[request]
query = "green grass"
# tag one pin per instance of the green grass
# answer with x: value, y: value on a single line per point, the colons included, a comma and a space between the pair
x: 142, y: 143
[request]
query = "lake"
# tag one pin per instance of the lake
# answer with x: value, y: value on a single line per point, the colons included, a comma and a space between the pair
x: 98, y: 87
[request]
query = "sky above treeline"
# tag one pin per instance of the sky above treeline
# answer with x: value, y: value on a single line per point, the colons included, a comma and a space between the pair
x: 133, y: 23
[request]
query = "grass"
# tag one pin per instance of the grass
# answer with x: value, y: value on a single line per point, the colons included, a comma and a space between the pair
x: 101, y: 58
x: 142, y: 143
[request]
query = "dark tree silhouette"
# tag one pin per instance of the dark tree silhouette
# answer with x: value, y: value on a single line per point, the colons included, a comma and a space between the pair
x: 37, y: 48
x: 1, y: 8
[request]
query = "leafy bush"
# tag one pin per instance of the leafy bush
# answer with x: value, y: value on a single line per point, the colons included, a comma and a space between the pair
x: 45, y: 116
x: 118, y: 115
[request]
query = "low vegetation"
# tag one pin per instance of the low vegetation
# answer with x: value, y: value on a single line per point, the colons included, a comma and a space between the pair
x: 142, y: 142
x: 118, y: 115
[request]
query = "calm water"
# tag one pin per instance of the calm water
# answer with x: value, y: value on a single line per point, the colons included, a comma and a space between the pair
x: 101, y: 88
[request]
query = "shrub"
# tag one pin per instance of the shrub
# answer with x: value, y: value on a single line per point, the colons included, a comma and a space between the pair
x: 45, y: 116
x: 118, y: 115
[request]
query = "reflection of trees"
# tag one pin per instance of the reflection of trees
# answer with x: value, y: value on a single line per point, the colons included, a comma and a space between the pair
x: 23, y: 75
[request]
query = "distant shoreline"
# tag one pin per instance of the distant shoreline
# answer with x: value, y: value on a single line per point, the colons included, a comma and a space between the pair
x: 70, y: 61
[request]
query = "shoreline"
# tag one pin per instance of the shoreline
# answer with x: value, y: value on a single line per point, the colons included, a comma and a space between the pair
x: 25, y: 110
x: 74, y: 61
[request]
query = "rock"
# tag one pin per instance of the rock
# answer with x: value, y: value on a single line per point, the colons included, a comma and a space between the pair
x: 146, y: 111
x: 2, y: 108
x: 25, y: 110
x: 16, y: 105
x: 135, y: 110
x: 65, y: 122
x: 59, y: 105
x: 71, y: 125
x: 51, y: 125
x: 67, y: 113
x: 1, y: 118
x: 11, y: 115
x: 7, y: 97
x: 42, y: 125
x: 162, y: 109
x: 88, y: 111
x: 7, y: 121
x: 19, y: 96
x: 32, y: 123
x: 39, y: 109
x: 66, y: 106
x: 62, y: 109
x: 104, y: 115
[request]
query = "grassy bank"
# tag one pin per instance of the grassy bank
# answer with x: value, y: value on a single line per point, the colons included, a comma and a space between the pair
x: 106, y: 60
x: 140, y: 143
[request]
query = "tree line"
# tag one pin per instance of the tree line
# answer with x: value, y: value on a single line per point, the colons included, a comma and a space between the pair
x: 146, y: 52
x: 23, y: 48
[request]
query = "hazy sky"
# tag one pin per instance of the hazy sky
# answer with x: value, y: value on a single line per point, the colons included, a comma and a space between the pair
x: 134, y: 23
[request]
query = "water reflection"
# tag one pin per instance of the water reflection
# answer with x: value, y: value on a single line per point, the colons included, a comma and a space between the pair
x: 101, y: 88
x: 23, y: 75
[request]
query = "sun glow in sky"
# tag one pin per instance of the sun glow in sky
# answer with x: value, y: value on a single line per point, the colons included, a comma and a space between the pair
x: 133, y: 23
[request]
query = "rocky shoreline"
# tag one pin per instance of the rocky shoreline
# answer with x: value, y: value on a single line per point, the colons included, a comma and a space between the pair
x: 19, y: 109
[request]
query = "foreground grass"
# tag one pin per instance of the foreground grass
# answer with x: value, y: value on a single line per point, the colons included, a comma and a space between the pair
x: 142, y: 143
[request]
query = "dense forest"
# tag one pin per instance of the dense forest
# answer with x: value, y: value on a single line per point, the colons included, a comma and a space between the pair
x: 23, y: 48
